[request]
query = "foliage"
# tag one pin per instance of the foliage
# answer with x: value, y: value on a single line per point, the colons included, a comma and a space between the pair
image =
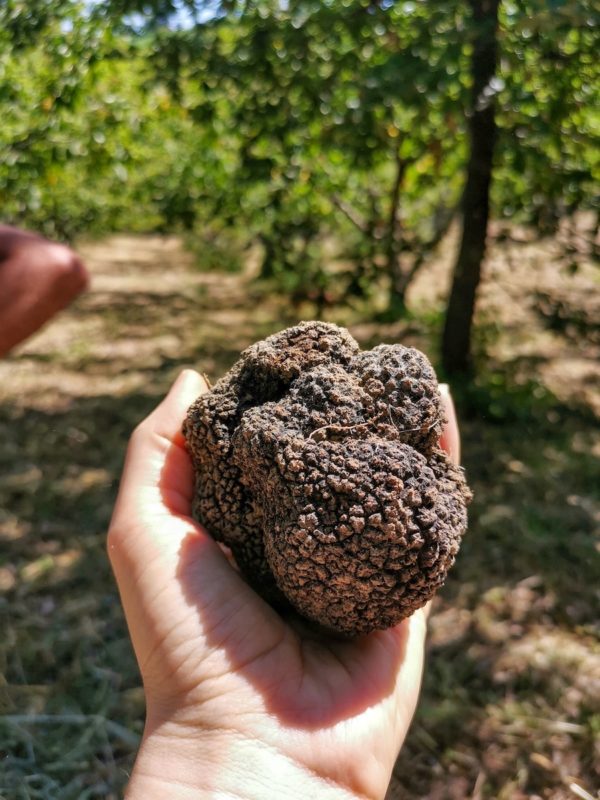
x: 87, y: 144
x: 549, y: 96
x: 338, y: 111
x: 333, y: 133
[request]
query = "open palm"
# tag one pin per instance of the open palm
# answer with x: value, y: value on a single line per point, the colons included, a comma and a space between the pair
x: 224, y: 672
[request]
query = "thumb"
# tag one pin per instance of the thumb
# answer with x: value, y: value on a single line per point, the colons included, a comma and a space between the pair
x: 152, y: 515
x: 174, y: 580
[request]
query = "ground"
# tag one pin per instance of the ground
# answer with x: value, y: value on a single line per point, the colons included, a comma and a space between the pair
x: 510, y: 706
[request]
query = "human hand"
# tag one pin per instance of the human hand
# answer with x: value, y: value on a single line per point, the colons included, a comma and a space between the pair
x: 38, y: 278
x: 242, y: 703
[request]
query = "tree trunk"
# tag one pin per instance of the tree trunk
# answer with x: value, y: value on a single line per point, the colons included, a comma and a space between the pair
x: 456, y: 342
x: 393, y: 265
x: 267, y: 268
x: 402, y: 277
x: 397, y: 295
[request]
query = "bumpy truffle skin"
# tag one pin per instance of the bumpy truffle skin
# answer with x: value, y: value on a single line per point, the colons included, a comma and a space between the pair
x: 319, y: 466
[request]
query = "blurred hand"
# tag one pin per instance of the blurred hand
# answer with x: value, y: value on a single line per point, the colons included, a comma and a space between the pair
x: 240, y: 702
x: 38, y: 278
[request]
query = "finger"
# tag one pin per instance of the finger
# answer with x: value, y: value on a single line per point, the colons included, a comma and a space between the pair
x: 151, y: 524
x: 412, y: 672
x: 158, y: 476
x: 167, y: 566
x: 450, y: 438
x: 426, y: 610
x: 166, y: 419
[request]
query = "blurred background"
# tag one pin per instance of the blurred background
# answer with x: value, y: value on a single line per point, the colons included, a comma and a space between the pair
x: 421, y: 172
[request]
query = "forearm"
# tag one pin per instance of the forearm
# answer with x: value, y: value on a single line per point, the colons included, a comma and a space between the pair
x: 225, y: 767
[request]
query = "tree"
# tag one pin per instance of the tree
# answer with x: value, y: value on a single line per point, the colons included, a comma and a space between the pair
x: 548, y: 161
x: 456, y: 342
x: 536, y: 104
x: 330, y: 131
x: 88, y: 142
x: 337, y: 116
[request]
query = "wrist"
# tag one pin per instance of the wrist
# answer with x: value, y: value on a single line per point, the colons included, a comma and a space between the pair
x: 223, y: 765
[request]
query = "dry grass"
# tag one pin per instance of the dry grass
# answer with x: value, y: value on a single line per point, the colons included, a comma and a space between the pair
x: 510, y: 707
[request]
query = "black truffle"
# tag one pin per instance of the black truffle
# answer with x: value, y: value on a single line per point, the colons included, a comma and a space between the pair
x: 319, y: 466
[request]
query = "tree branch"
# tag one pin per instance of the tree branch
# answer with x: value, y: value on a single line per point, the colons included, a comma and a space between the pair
x: 401, y: 166
x: 350, y: 213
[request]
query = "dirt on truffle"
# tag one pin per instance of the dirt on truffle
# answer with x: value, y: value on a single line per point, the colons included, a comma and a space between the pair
x: 319, y: 466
